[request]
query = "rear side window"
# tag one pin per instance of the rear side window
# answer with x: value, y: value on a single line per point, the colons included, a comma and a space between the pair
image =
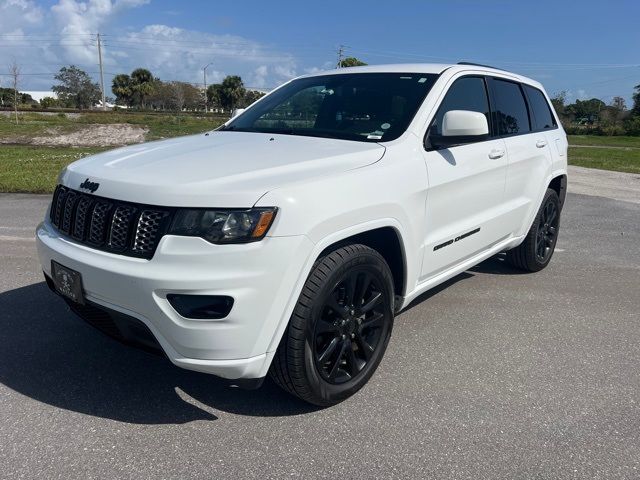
x: 542, y: 118
x: 510, y: 113
x: 467, y: 93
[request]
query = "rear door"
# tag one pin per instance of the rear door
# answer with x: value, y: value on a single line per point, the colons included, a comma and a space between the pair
x: 466, y: 186
x: 529, y: 158
x: 544, y: 123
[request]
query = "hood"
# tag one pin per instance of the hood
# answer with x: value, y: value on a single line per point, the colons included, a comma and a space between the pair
x: 218, y: 169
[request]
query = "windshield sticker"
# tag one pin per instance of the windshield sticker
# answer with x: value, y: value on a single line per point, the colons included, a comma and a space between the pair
x: 385, y: 126
x: 422, y: 80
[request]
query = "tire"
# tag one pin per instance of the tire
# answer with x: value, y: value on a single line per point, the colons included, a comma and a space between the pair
x: 535, y: 252
x: 339, y: 329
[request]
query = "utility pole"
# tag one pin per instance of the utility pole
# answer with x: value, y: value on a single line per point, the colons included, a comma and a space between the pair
x: 340, y: 55
x: 104, y: 105
x: 204, y: 74
x: 14, y: 71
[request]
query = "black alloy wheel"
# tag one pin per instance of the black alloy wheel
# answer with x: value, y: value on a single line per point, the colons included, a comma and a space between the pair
x: 340, y: 327
x: 536, y: 250
x: 350, y: 326
x: 547, y: 231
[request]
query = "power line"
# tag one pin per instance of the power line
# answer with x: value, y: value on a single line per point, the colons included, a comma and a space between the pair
x: 47, y: 35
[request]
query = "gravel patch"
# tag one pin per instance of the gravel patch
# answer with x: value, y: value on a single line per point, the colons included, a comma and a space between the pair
x: 107, y: 135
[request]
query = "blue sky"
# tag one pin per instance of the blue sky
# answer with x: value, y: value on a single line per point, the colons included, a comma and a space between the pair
x: 587, y: 48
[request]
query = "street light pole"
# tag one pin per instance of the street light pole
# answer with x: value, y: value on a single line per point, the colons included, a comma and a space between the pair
x: 204, y: 74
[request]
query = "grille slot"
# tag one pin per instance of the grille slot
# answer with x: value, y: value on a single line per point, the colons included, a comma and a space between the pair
x: 147, y: 231
x: 69, y: 203
x: 111, y: 225
x: 98, y: 229
x: 120, y: 224
x: 83, y: 215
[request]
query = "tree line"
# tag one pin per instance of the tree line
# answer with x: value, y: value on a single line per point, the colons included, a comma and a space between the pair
x: 139, y: 90
x: 142, y: 90
x: 593, y: 116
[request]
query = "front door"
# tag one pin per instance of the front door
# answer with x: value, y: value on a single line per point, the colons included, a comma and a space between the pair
x: 464, y: 211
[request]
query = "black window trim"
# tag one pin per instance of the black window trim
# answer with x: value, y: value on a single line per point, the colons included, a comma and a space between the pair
x: 533, y: 113
x: 492, y: 129
x: 493, y: 102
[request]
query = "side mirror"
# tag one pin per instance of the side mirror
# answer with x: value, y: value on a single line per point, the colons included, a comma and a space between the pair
x: 460, y: 127
x: 237, y: 112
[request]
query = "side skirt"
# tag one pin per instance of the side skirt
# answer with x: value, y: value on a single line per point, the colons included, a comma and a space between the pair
x: 456, y: 270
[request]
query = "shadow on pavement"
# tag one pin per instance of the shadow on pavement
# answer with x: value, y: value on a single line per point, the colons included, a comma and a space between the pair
x: 52, y: 356
x: 497, y: 265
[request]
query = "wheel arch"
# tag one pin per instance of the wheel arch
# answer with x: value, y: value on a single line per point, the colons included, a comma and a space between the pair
x: 559, y: 185
x: 387, y: 241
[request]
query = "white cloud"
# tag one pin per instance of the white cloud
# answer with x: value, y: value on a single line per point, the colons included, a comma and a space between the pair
x: 16, y: 13
x: 285, y: 72
x: 259, y: 78
x: 325, y: 66
x: 178, y: 54
x: 65, y: 35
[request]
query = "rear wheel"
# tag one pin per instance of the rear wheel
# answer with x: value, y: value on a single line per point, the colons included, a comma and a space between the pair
x: 535, y: 252
x: 339, y: 329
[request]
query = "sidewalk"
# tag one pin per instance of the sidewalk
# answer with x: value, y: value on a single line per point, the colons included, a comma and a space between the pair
x: 604, y: 183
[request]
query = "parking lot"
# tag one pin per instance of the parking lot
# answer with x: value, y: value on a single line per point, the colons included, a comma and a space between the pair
x: 495, y: 374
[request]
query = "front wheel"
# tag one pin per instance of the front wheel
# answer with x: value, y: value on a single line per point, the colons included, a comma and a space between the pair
x: 535, y: 252
x: 339, y: 329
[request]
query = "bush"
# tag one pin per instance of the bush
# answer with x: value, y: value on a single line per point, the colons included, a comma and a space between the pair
x: 632, y: 126
x: 612, y: 130
x: 49, y: 102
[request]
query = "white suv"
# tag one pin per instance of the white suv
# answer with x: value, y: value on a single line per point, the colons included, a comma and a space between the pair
x: 286, y: 240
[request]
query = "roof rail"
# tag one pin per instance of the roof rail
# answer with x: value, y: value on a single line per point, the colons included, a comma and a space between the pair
x: 479, y: 65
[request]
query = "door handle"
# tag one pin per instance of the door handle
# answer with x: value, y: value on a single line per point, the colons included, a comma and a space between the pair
x: 496, y: 153
x: 541, y: 143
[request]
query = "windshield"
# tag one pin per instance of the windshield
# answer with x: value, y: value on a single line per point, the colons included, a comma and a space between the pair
x: 368, y: 107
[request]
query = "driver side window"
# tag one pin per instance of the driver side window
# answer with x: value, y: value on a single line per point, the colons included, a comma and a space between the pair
x: 468, y: 93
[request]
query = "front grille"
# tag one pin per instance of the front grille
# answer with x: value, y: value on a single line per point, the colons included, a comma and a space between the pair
x: 111, y: 225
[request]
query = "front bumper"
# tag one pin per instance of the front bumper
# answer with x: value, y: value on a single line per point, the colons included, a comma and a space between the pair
x: 261, y: 277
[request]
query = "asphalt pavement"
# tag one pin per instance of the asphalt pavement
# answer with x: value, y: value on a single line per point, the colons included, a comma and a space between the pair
x: 496, y: 374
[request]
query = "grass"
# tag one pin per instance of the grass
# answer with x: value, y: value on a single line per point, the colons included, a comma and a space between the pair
x: 596, y: 140
x: 617, y: 159
x: 621, y: 154
x: 35, y: 169
x: 159, y: 125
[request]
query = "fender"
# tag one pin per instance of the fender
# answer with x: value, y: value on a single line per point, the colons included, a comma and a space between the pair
x: 534, y: 212
x: 318, y: 248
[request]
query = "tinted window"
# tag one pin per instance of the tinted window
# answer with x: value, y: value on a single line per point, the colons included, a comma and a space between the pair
x: 542, y: 117
x: 511, y: 110
x: 368, y: 107
x: 466, y: 93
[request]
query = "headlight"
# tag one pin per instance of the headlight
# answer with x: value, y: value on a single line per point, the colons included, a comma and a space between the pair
x: 223, y: 226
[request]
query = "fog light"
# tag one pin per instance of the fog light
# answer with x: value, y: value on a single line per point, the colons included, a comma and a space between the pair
x: 201, y: 306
